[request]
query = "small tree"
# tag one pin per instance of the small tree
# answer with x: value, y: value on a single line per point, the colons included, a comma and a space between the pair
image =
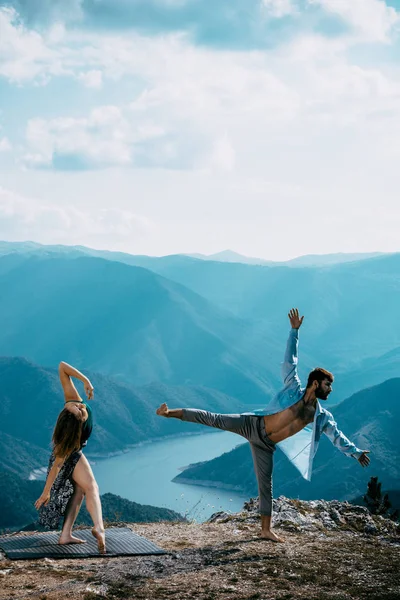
x: 376, y: 504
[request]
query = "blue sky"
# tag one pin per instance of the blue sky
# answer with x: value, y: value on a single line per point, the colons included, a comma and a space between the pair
x: 160, y: 126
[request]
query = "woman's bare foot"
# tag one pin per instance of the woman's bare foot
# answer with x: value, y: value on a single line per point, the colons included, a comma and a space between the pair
x: 69, y: 539
x: 101, y: 539
x: 268, y: 534
x: 162, y: 410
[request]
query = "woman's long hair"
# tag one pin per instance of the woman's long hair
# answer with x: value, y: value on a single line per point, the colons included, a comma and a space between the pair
x: 67, y: 434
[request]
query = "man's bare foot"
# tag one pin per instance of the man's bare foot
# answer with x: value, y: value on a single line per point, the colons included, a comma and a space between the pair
x: 101, y: 539
x: 162, y: 410
x: 69, y: 539
x: 267, y: 534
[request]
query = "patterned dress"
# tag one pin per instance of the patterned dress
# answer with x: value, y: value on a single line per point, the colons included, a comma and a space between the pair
x: 50, y: 516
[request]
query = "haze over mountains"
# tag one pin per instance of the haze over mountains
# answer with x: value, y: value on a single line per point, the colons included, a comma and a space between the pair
x: 309, y: 260
x: 230, y: 256
x: 350, y: 308
x: 351, y: 315
x: 127, y: 322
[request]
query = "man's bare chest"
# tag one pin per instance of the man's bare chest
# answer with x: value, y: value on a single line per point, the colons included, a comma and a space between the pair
x: 300, y: 414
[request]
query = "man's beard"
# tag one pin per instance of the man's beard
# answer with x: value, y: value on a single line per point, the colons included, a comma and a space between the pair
x: 320, y: 394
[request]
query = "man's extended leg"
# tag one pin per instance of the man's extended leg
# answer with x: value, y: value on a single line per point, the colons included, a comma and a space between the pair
x: 240, y: 424
x: 252, y: 428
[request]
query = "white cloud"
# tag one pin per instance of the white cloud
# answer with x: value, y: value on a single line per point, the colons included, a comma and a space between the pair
x: 24, y: 54
x: 194, y: 100
x: 372, y: 20
x: 5, y: 145
x: 101, y: 139
x: 23, y: 218
x: 110, y: 136
x: 18, y: 214
x: 223, y: 154
x: 279, y: 8
x: 279, y: 131
x: 92, y: 79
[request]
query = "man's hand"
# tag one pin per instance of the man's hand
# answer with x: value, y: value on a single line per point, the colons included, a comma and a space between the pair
x: 89, y: 389
x: 295, y: 320
x: 364, y: 459
x: 43, y: 500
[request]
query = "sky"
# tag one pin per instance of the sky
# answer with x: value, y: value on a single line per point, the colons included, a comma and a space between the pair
x: 270, y: 127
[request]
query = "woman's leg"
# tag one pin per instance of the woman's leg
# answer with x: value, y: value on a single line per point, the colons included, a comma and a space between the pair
x: 71, y: 513
x: 84, y: 478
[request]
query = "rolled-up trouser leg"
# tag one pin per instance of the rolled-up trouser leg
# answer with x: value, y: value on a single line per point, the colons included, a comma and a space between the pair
x: 263, y: 463
x: 244, y: 425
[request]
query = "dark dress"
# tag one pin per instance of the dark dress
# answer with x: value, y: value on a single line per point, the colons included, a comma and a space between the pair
x: 62, y: 489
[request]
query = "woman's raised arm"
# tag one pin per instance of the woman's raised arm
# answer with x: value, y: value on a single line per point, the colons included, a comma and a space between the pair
x: 66, y: 372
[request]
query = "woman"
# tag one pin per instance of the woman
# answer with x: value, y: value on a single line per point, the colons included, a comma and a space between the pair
x: 69, y: 476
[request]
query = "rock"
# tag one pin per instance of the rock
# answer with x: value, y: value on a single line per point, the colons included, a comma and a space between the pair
x: 219, y: 517
x: 370, y: 529
x: 98, y: 590
x: 336, y: 516
x: 314, y: 515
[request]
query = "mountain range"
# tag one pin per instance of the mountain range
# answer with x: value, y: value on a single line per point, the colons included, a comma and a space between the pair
x: 224, y: 325
x: 130, y: 323
x: 34, y: 248
x: 309, y: 260
x: 337, y: 293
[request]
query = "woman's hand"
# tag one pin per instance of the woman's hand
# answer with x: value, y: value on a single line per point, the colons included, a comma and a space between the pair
x: 43, y: 500
x: 89, y: 389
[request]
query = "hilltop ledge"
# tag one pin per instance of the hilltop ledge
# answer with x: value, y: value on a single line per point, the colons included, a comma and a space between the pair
x: 333, y: 550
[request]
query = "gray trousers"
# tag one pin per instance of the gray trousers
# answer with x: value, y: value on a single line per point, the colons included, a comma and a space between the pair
x: 252, y: 428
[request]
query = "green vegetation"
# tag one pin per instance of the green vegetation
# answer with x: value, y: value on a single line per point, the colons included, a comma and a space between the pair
x: 16, y: 500
x: 377, y: 502
x: 116, y: 508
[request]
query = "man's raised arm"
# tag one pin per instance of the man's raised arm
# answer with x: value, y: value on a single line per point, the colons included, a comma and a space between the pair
x: 289, y: 365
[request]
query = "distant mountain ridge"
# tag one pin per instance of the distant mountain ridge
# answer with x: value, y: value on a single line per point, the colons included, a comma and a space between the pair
x: 369, y: 418
x: 239, y: 357
x: 130, y: 323
x: 337, y: 300
x: 367, y: 373
x: 306, y: 260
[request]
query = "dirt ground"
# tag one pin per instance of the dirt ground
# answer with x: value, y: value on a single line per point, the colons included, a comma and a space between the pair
x: 213, y: 561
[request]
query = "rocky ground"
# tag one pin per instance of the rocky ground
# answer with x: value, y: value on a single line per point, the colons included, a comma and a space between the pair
x: 333, y: 551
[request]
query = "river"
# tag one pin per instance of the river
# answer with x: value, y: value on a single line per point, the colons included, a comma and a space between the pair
x: 145, y: 473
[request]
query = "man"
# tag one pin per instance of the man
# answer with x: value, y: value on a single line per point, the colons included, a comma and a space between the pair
x: 287, y: 415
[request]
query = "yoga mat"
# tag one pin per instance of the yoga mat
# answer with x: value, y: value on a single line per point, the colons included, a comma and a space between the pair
x: 120, y: 541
